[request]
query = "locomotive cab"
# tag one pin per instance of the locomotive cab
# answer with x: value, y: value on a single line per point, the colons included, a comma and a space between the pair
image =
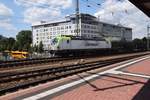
x: 60, y: 42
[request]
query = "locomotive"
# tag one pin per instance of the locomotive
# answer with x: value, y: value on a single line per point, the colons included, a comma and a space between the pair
x: 66, y: 45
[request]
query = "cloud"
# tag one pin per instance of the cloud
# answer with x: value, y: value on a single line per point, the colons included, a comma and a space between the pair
x: 7, y: 29
x: 5, y: 11
x: 35, y: 14
x: 53, y: 3
x: 125, y: 13
x: 5, y: 20
x: 6, y: 24
x: 39, y: 10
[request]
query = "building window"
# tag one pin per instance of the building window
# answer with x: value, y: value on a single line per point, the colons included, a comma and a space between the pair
x: 54, y: 28
x: 82, y: 26
x: 66, y: 27
x: 69, y: 27
x: 62, y: 28
x: 58, y: 28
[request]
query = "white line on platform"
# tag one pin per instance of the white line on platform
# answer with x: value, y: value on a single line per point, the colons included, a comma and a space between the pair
x: 69, y: 85
x: 131, y: 74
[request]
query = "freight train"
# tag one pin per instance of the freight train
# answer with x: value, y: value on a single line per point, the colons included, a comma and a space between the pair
x: 76, y: 45
x: 64, y: 45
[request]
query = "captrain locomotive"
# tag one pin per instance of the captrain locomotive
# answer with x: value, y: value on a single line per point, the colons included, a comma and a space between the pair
x: 75, y: 45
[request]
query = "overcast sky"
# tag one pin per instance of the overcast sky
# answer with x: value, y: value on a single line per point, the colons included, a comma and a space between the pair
x: 16, y: 15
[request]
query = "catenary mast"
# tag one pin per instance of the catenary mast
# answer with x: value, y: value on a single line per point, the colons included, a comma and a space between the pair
x: 77, y: 17
x: 148, y: 37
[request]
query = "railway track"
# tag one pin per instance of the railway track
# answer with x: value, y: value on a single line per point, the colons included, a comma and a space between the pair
x: 26, y: 62
x: 21, y: 63
x: 13, y: 81
x: 30, y: 62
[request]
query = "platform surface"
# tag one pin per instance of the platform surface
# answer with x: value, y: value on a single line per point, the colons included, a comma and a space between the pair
x: 124, y: 81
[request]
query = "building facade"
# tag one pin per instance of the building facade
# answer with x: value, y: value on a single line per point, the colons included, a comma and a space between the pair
x: 89, y: 27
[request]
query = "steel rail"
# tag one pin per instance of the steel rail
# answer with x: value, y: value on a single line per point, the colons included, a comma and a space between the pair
x: 53, y: 73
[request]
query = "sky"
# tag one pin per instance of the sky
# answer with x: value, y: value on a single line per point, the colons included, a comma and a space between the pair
x: 17, y: 15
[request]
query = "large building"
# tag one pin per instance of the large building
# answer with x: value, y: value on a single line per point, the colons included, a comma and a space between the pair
x: 89, y: 26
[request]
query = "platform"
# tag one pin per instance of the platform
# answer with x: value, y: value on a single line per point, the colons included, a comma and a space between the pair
x: 128, y: 80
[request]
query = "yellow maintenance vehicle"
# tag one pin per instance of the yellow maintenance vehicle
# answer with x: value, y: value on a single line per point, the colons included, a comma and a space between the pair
x: 18, y: 54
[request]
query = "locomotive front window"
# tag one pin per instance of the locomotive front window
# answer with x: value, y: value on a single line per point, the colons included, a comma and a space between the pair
x: 55, y: 40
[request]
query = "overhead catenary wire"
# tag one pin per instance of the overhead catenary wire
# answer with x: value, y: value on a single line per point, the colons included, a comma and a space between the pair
x: 36, y: 4
x: 96, y: 5
x: 91, y: 4
x: 88, y: 5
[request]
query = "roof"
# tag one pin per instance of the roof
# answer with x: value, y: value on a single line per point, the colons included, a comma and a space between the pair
x: 47, y: 23
x: 73, y: 15
x: 118, y: 25
x: 143, y: 5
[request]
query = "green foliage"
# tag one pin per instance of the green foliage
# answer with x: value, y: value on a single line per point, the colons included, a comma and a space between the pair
x: 35, y: 48
x: 140, y: 44
x: 24, y: 40
x: 40, y: 48
x: 145, y: 43
x: 6, y: 43
x: 15, y: 46
x: 11, y: 42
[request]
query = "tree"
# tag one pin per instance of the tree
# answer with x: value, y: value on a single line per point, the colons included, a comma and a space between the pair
x: 35, y: 48
x: 11, y: 42
x: 2, y: 46
x: 144, y: 40
x: 1, y: 37
x: 15, y: 46
x: 24, y: 40
x: 40, y: 48
x: 138, y: 44
x: 6, y: 43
